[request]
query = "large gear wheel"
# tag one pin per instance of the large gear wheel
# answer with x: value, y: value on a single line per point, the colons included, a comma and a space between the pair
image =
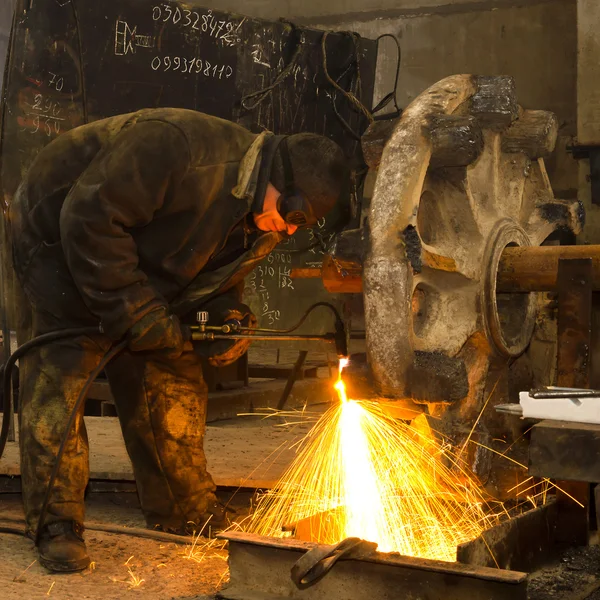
x: 461, y: 178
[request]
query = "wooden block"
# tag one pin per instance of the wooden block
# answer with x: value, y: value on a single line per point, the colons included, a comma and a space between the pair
x: 374, y: 139
x: 456, y: 141
x: 495, y: 102
x: 534, y: 133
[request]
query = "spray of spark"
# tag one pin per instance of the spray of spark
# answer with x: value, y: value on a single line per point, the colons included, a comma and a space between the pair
x: 360, y: 473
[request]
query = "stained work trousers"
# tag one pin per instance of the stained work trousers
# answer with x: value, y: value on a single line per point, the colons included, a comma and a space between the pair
x: 161, y: 404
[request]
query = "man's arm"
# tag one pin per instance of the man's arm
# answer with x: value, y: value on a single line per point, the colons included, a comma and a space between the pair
x: 121, y: 189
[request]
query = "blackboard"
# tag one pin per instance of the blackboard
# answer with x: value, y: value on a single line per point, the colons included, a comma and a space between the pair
x: 74, y: 61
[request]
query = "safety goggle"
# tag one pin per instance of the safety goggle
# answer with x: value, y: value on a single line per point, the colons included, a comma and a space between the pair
x: 293, y: 207
x: 296, y: 210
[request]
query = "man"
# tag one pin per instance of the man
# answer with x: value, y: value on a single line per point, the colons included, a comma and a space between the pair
x: 133, y: 223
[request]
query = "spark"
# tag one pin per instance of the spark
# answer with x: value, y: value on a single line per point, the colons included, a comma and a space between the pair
x: 361, y: 473
x: 50, y: 589
x: 134, y: 580
x: 127, y: 561
x: 18, y: 577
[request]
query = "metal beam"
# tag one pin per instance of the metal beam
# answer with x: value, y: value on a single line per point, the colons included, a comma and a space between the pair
x: 260, y: 568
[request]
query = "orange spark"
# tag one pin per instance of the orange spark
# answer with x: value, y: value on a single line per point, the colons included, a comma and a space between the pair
x: 360, y: 473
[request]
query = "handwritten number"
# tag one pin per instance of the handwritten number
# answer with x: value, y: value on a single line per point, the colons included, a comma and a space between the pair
x: 156, y: 13
x: 205, y: 20
x: 194, y: 26
x: 37, y: 102
x: 177, y: 15
x: 184, y: 65
x: 36, y: 122
x: 186, y: 15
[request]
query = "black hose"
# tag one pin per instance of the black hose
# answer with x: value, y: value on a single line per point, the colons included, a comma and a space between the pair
x: 299, y: 324
x: 6, y: 370
x: 151, y: 534
x: 80, y: 400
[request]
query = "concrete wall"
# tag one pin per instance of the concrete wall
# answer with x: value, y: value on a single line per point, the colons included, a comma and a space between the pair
x: 535, y: 41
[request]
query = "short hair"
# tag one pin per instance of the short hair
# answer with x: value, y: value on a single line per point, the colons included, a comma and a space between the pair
x: 320, y: 168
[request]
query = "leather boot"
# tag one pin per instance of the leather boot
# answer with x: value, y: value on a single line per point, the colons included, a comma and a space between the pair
x: 61, y: 547
x: 216, y: 519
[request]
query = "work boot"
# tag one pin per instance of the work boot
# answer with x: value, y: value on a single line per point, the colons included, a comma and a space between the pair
x: 213, y: 521
x: 61, y: 547
x: 216, y: 519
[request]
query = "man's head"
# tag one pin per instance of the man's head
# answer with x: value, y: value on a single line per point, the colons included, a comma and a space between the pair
x: 309, y: 173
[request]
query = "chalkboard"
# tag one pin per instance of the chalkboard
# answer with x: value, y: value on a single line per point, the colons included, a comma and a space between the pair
x: 74, y: 61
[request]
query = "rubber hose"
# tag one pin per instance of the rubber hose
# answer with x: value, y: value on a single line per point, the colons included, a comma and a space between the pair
x: 159, y: 536
x: 6, y: 370
x: 80, y: 400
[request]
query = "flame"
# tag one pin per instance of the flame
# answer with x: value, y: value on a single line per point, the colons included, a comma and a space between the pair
x: 360, y: 473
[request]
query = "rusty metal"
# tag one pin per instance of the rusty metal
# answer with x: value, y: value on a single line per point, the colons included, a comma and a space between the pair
x: 574, y: 321
x: 536, y: 269
x: 520, y: 270
x: 260, y: 567
x: 574, y: 339
x: 433, y: 307
x: 523, y: 543
x: 565, y: 451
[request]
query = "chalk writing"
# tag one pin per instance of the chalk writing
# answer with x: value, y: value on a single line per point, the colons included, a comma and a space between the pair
x: 127, y: 39
x: 280, y: 274
x: 259, y: 56
x: 44, y: 116
x: 192, y: 65
x: 226, y: 32
x: 56, y: 82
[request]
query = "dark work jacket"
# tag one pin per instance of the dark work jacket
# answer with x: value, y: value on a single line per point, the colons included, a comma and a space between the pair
x: 139, y: 204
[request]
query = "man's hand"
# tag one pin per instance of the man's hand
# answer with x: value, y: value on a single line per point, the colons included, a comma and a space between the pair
x: 157, y: 331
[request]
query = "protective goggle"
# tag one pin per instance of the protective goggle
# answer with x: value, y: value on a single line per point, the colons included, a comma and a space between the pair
x: 293, y: 207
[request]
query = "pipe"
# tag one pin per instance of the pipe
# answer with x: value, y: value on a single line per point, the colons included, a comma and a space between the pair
x: 521, y: 269
x: 535, y: 269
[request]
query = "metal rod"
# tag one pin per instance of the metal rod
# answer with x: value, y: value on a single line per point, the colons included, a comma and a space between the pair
x: 522, y: 269
x: 209, y: 336
x: 289, y: 384
x: 535, y: 269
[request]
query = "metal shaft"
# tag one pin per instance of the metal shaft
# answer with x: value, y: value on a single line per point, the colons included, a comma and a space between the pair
x: 209, y: 336
x: 522, y: 269
x: 535, y: 269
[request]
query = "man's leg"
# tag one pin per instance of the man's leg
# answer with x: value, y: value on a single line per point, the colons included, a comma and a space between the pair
x: 51, y: 378
x: 161, y: 404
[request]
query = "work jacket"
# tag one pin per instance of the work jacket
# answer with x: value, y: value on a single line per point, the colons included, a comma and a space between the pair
x: 137, y: 206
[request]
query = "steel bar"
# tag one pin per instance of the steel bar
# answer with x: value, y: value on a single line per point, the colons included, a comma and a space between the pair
x: 260, y: 568
x: 523, y: 269
x: 522, y: 543
x: 535, y: 269
x: 292, y: 379
x: 574, y: 281
x: 574, y: 321
x: 242, y: 336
